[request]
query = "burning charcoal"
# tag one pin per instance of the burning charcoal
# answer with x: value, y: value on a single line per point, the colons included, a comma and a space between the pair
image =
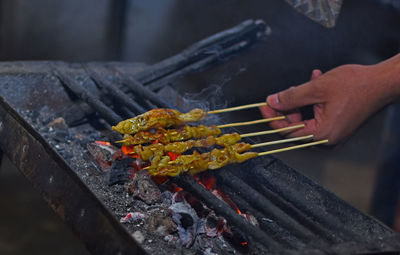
x: 143, y: 187
x: 138, y: 236
x: 132, y: 216
x: 120, y: 171
x: 102, y: 153
x: 161, y: 223
x: 187, y: 220
x: 212, y: 225
x: 236, y: 236
x: 58, y: 123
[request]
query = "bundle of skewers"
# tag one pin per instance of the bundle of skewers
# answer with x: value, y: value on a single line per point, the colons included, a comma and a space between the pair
x: 160, y: 133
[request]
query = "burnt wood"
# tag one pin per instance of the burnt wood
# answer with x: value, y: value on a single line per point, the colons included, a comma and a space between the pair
x: 249, y: 31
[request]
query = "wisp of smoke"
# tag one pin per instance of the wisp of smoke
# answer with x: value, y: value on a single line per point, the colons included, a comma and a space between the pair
x: 209, y: 98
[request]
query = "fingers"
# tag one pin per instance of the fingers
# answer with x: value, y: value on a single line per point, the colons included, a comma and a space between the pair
x: 290, y: 117
x: 294, y: 97
x: 310, y: 127
x: 315, y: 74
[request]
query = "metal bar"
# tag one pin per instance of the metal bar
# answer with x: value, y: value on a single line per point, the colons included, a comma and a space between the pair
x: 190, y: 185
x: 259, y: 175
x: 61, y: 187
x: 297, y: 214
x: 110, y: 116
x: 265, y: 206
x: 269, y: 226
x: 113, y: 90
x: 139, y: 89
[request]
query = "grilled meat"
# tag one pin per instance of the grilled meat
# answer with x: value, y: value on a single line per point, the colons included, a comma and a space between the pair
x: 158, y: 118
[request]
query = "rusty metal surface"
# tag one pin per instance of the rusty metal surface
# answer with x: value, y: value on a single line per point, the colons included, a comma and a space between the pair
x: 61, y: 188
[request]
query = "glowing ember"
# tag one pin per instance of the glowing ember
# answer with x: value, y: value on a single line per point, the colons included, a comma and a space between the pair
x: 206, y: 179
x: 132, y: 217
x: 159, y: 179
x: 173, y: 156
x: 127, y: 149
x: 103, y: 143
x: 176, y: 188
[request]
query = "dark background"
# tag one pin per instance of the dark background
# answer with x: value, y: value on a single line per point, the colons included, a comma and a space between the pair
x: 149, y: 31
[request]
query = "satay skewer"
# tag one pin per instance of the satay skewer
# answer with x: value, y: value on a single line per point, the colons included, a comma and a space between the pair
x: 168, y: 135
x: 273, y: 131
x: 164, y: 118
x: 282, y: 141
x: 237, y: 108
x: 247, y: 123
x: 213, y: 160
x: 304, y: 145
x: 293, y: 147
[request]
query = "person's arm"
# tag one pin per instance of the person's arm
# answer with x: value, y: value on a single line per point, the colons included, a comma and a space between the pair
x: 342, y: 98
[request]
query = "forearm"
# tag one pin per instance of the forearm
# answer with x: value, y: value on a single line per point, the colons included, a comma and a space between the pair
x: 386, y: 76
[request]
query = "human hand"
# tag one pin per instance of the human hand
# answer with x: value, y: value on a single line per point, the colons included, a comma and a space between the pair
x: 342, y: 100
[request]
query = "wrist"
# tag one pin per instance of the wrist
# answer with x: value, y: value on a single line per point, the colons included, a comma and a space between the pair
x: 386, y: 76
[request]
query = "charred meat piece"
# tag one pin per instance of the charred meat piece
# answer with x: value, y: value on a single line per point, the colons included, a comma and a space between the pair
x: 196, y: 162
x: 166, y: 136
x: 158, y: 149
x: 158, y: 118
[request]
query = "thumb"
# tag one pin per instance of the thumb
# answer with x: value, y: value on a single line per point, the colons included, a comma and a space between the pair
x: 294, y: 97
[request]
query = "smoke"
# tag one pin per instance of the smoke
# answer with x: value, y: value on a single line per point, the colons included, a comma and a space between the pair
x: 213, y: 96
x: 209, y: 98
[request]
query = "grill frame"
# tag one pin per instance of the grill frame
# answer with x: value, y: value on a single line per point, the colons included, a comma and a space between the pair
x: 267, y: 184
x: 103, y: 234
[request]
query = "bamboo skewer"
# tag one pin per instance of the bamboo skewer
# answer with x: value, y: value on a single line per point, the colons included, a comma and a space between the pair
x: 266, y: 132
x: 278, y: 150
x: 247, y: 123
x: 282, y: 141
x: 237, y: 108
x: 273, y: 131
x: 293, y: 147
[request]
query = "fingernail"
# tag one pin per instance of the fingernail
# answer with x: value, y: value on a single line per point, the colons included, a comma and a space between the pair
x: 273, y: 99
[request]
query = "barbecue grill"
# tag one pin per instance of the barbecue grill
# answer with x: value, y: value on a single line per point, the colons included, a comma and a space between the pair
x: 294, y: 215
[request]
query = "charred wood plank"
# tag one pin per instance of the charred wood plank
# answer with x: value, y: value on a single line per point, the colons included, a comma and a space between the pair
x: 209, y: 61
x: 113, y: 90
x: 109, y: 115
x: 139, y: 89
x: 249, y: 30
